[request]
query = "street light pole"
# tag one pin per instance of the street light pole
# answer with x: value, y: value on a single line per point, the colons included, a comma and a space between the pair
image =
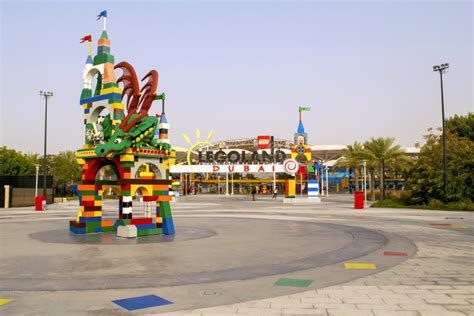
x: 36, y: 184
x: 442, y: 68
x: 45, y: 94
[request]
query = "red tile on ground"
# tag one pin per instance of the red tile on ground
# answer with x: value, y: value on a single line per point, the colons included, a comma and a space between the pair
x: 440, y: 225
x: 395, y: 254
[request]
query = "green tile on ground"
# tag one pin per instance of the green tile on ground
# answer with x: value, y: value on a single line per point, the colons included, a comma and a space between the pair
x: 293, y: 282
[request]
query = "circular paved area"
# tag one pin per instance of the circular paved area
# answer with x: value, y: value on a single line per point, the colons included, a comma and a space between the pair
x: 227, y: 250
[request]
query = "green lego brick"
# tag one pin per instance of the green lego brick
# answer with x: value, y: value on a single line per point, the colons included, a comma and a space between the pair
x: 98, y: 198
x: 111, y: 101
x: 124, y: 222
x: 143, y: 232
x: 86, y: 93
x: 107, y: 229
x: 91, y: 225
x: 104, y: 58
x: 127, y: 164
x: 110, y: 85
x: 155, y: 231
x: 106, y: 182
x: 165, y: 209
x: 126, y: 193
x: 91, y: 192
x: 156, y: 193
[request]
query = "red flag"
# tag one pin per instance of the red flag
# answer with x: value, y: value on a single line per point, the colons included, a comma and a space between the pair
x: 86, y: 38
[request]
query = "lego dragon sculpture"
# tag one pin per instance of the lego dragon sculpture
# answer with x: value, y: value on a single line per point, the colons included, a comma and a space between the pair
x: 137, y: 129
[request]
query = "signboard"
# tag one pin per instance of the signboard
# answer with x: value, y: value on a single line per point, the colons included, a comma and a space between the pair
x: 264, y: 141
x: 289, y: 166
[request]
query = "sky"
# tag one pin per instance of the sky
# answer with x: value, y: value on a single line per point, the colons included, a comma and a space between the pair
x: 243, y: 68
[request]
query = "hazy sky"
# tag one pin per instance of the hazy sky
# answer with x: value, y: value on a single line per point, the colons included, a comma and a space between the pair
x: 243, y: 68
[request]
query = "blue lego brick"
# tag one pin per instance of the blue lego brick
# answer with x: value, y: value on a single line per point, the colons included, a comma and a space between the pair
x: 90, y: 219
x: 77, y: 230
x: 168, y: 226
x: 98, y: 229
x: 313, y: 189
x: 145, y: 226
x: 101, y: 97
x: 86, y: 111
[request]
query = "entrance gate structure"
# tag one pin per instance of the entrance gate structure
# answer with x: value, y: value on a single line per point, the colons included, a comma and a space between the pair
x: 133, y: 144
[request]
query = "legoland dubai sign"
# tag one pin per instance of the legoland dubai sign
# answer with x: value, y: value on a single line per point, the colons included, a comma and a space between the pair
x: 289, y: 166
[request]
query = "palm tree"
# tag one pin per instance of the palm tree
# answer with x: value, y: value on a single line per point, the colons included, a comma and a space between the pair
x: 351, y: 158
x: 381, y: 154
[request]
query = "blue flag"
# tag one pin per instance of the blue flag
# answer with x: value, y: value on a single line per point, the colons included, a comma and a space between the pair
x: 102, y: 14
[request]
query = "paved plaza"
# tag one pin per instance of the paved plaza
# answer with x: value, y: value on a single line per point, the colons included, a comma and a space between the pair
x: 231, y: 255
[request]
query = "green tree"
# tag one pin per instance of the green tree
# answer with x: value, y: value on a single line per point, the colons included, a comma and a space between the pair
x: 65, y: 169
x: 352, y: 157
x: 383, y: 156
x: 15, y: 163
x: 426, y: 179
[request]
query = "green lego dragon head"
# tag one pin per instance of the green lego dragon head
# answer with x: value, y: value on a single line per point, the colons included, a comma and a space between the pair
x: 139, y: 135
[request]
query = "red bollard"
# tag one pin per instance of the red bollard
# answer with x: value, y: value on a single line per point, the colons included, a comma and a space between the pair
x: 39, y: 203
x: 359, y: 200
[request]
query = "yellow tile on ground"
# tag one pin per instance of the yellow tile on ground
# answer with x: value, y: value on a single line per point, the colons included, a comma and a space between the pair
x: 324, y: 216
x: 458, y: 227
x: 3, y: 301
x: 360, y: 266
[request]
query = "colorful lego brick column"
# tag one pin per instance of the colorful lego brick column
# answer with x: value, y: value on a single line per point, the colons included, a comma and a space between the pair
x: 290, y: 188
x: 313, y: 189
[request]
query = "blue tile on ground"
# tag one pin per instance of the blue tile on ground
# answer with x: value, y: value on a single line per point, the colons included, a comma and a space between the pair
x: 140, y: 302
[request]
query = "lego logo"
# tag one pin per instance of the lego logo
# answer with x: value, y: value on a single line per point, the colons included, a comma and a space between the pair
x: 263, y: 141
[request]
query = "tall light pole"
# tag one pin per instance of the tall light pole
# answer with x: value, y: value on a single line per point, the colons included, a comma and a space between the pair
x: 36, y: 183
x: 443, y: 68
x: 46, y: 95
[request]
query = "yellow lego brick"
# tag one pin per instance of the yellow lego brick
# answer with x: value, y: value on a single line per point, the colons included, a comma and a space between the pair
x: 97, y: 203
x: 80, y: 161
x: 118, y: 106
x: 127, y: 158
x: 85, y: 153
x: 359, y: 266
x: 86, y: 106
x: 115, y: 122
x: 111, y: 90
x: 159, y: 220
x: 86, y: 116
x: 101, y: 192
x: 129, y: 150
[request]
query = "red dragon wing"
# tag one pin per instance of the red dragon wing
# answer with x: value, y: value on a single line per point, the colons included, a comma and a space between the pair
x: 148, y: 91
x: 131, y: 89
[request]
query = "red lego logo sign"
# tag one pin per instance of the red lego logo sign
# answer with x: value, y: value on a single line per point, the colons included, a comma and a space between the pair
x: 263, y: 142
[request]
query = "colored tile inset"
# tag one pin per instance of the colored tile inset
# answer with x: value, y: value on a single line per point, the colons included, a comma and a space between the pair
x: 359, y: 266
x: 442, y: 225
x: 294, y: 282
x: 4, y: 301
x: 394, y: 254
x: 457, y: 227
x: 140, y: 302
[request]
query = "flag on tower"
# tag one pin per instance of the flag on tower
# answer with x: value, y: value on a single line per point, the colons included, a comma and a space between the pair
x: 86, y: 38
x: 304, y: 108
x: 102, y: 14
